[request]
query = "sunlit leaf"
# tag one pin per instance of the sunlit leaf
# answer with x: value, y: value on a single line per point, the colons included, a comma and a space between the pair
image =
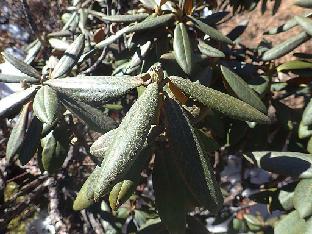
x: 13, y: 102
x: 46, y: 105
x: 213, y: 33
x: 129, y: 140
x: 305, y: 23
x: 220, y: 102
x: 70, y: 58
x: 285, y: 47
x: 95, y: 89
x: 182, y: 48
x: 22, y: 66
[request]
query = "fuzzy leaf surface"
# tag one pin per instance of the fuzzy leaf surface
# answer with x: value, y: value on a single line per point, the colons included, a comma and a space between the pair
x: 220, y: 102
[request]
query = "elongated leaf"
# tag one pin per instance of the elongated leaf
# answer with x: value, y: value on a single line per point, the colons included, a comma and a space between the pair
x: 62, y: 33
x: 213, y: 33
x: 169, y: 192
x: 17, y: 79
x: 11, y: 103
x: 303, y: 198
x: 242, y: 90
x: 124, y: 189
x: 46, y: 105
x: 55, y: 148
x: 85, y: 197
x: 282, y: 28
x: 304, y: 3
x: 31, y: 141
x: 136, y: 59
x: 307, y: 114
x: 283, y: 163
x: 129, y: 140
x: 100, y: 147
x: 210, y: 51
x: 305, y: 23
x: 294, y: 65
x: 151, y: 23
x: 33, y: 52
x: 286, y: 199
x: 109, y: 40
x: 182, y: 48
x: 149, y: 3
x: 287, y: 26
x: 123, y: 18
x: 220, y: 102
x: 18, y: 133
x: 93, y: 117
x: 95, y: 89
x: 70, y: 58
x: 22, y: 66
x: 285, y: 47
x: 193, y: 161
x: 59, y: 44
x: 290, y: 224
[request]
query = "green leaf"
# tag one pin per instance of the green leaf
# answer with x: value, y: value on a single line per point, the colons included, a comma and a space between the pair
x: 286, y: 26
x: 283, y: 163
x: 100, y: 147
x: 31, y: 141
x: 70, y: 58
x: 46, y: 105
x: 282, y: 28
x: 18, y: 133
x: 33, y: 51
x: 308, y: 229
x: 304, y: 3
x: 13, y: 102
x: 109, y: 40
x: 123, y: 18
x: 290, y: 224
x: 209, y: 50
x: 167, y: 183
x: 22, y: 66
x: 220, y: 102
x: 304, y: 131
x: 309, y: 145
x: 85, y: 197
x: 285, y: 47
x: 129, y: 140
x: 93, y: 117
x: 124, y: 189
x: 55, y: 148
x: 192, y: 159
x: 305, y: 23
x: 242, y: 90
x: 17, y: 79
x: 286, y: 199
x: 182, y: 48
x: 151, y: 23
x: 95, y: 89
x: 303, y: 198
x: 293, y: 65
x: 307, y: 114
x: 213, y: 33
